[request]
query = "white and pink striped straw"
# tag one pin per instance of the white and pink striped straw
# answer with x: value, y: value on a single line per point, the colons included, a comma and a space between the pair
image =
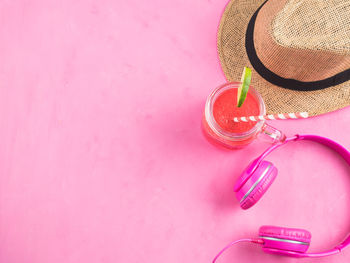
x: 279, y: 116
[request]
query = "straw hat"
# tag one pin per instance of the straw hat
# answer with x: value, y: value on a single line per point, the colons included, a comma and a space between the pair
x: 299, y: 51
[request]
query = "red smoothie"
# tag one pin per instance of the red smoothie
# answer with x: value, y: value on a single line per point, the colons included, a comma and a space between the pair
x: 221, y: 108
x: 225, y: 109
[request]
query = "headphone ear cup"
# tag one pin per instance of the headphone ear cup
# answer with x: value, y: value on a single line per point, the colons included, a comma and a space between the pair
x: 256, y: 186
x: 246, y: 174
x: 279, y: 240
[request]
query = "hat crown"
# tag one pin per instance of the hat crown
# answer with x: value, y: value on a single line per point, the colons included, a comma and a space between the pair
x: 314, y: 24
x: 290, y: 39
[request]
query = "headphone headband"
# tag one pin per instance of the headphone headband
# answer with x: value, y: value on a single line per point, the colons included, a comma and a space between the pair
x: 322, y: 140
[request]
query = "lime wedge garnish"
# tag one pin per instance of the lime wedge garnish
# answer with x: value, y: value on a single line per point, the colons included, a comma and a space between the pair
x: 244, y: 87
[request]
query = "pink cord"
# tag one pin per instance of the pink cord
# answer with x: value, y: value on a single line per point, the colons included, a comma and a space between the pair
x: 252, y: 240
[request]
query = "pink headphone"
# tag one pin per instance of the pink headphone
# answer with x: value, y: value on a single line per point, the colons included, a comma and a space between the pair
x: 252, y: 185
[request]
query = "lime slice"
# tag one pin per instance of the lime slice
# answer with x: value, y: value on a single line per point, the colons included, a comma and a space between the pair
x: 244, y: 87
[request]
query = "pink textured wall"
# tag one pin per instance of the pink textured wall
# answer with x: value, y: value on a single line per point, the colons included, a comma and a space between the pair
x: 102, y: 158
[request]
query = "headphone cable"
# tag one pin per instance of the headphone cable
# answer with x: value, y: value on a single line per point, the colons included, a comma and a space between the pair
x: 251, y: 240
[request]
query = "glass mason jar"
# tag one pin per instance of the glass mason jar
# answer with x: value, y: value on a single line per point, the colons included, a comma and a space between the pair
x: 231, y: 140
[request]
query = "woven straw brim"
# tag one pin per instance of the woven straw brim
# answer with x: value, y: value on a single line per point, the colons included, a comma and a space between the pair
x: 233, y: 58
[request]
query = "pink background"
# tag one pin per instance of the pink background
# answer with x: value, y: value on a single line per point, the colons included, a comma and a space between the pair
x: 102, y: 158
